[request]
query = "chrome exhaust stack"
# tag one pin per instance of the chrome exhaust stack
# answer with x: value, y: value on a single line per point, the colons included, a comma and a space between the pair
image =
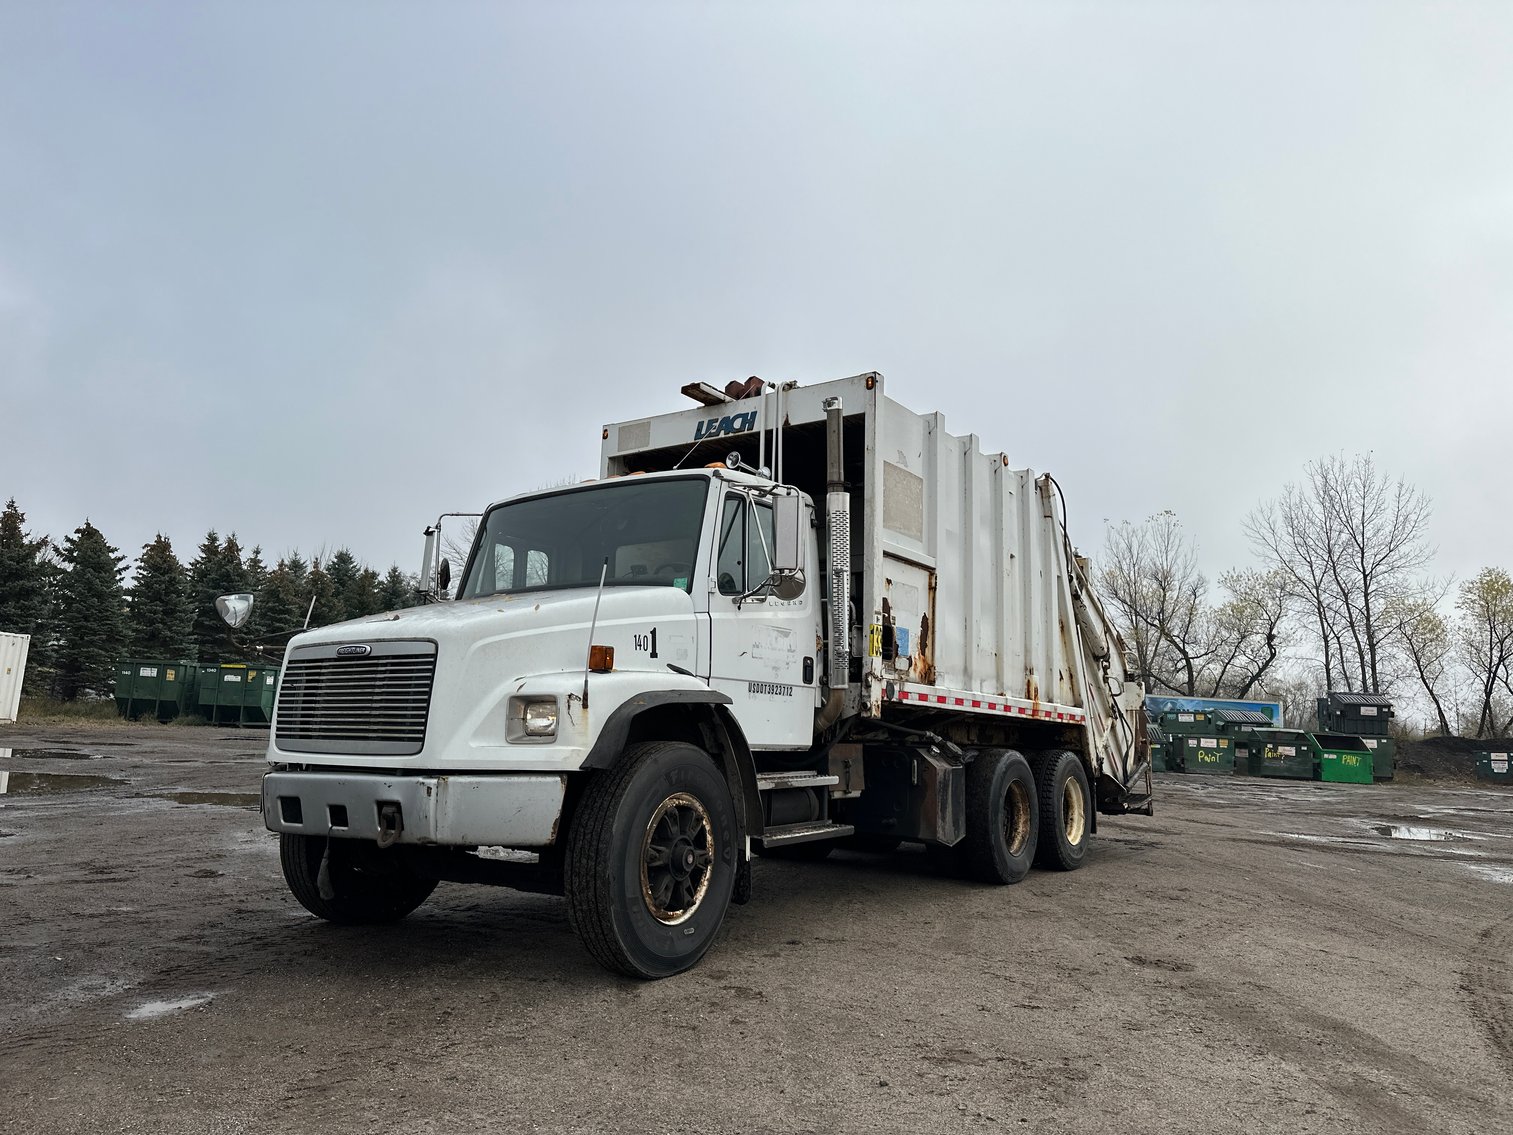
x: 838, y: 567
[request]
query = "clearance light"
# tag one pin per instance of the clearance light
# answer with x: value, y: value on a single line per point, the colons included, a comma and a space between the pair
x: 601, y: 659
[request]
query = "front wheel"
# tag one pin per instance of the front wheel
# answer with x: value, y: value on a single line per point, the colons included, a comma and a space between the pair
x: 1065, y: 803
x: 651, y: 860
x: 350, y: 882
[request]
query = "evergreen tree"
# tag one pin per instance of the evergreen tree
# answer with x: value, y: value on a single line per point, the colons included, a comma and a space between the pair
x: 342, y: 570
x: 396, y: 591
x: 92, y: 613
x: 363, y: 597
x: 256, y: 571
x: 23, y: 575
x: 28, y: 592
x: 278, y: 603
x: 203, y: 570
x: 159, y: 618
x: 217, y: 571
x: 320, y: 597
x: 255, y: 578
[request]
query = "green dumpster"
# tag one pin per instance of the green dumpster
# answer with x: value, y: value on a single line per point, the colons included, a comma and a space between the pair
x: 1342, y: 759
x: 1159, y: 747
x: 1496, y: 767
x: 162, y: 688
x: 257, y: 695
x: 1383, y: 756
x: 220, y: 691
x: 1237, y: 725
x: 1181, y: 726
x: 1355, y: 715
x: 1367, y: 716
x: 1282, y: 753
x: 1211, y: 755
x: 1180, y: 722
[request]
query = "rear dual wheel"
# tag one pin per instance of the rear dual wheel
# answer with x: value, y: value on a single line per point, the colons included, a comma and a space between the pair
x: 1065, y: 803
x: 1002, y: 818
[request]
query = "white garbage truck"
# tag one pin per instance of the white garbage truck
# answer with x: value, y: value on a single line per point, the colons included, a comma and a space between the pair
x: 787, y: 619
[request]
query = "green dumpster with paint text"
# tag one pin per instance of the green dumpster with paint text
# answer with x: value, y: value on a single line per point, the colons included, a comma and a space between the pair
x: 1211, y: 755
x: 1284, y: 753
x: 1342, y: 759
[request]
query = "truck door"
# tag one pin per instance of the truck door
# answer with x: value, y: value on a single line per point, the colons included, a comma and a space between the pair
x: 762, y: 649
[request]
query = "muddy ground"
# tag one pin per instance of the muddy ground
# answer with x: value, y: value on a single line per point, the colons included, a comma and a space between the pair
x: 1259, y: 956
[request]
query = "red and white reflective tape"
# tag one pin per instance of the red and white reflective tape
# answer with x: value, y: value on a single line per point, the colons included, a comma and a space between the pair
x: 976, y: 703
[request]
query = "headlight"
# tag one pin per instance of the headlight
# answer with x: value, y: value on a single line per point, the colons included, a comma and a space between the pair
x: 540, y: 718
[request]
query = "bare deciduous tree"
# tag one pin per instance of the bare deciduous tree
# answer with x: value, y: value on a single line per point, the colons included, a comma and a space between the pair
x: 1486, y: 640
x: 1182, y: 643
x: 1349, y: 541
x: 1428, y: 645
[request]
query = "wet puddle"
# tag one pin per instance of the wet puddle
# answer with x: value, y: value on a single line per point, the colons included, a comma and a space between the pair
x: 151, y: 1010
x: 221, y: 799
x: 50, y: 783
x: 1492, y: 872
x: 53, y: 755
x: 1419, y: 835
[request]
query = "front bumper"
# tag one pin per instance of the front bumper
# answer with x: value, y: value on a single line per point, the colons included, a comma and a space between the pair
x: 508, y: 810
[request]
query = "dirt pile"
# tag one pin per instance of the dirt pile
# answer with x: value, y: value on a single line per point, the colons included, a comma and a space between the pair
x: 1445, y: 758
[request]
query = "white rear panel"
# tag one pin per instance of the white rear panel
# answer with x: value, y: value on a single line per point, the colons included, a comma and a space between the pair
x: 13, y: 651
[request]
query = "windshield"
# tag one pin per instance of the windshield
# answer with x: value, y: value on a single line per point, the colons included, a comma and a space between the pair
x: 648, y: 531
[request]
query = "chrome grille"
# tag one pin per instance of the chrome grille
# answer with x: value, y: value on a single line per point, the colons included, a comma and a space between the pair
x: 369, y: 704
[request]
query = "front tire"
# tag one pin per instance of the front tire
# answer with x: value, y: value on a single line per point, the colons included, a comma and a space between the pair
x: 1002, y: 819
x: 1066, y: 810
x: 651, y: 860
x: 364, y: 885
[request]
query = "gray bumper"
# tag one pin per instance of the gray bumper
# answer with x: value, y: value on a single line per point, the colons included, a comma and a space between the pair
x: 511, y: 810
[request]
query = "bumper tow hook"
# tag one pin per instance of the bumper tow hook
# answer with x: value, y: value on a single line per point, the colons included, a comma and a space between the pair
x: 390, y: 824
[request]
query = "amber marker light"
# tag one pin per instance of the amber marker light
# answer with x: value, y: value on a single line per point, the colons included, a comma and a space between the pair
x: 601, y: 659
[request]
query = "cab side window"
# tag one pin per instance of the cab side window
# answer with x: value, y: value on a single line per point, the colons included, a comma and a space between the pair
x: 731, y: 568
x: 745, y: 543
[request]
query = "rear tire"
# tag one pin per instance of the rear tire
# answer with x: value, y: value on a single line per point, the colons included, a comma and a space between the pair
x: 368, y: 886
x: 1002, y: 819
x: 651, y: 860
x: 1066, y: 810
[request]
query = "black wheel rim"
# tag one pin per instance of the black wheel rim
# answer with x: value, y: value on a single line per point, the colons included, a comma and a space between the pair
x: 677, y: 857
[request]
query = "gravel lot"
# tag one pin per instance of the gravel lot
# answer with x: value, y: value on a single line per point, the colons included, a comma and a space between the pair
x: 1259, y: 956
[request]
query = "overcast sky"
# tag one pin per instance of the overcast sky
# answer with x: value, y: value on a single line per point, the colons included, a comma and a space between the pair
x: 318, y: 272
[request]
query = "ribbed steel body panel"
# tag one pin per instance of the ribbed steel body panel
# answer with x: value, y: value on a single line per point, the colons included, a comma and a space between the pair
x: 335, y: 699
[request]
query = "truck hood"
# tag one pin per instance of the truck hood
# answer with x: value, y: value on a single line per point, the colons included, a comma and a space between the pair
x: 556, y: 622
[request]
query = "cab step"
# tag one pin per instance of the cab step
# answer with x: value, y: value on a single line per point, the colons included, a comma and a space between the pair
x: 785, y: 834
x: 773, y: 781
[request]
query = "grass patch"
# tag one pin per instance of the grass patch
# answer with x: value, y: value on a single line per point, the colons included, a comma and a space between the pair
x: 51, y: 709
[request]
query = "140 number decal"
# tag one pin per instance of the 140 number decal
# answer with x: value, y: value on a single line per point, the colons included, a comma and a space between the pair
x: 647, y: 642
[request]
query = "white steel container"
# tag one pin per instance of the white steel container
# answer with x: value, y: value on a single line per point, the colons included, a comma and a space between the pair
x: 13, y: 650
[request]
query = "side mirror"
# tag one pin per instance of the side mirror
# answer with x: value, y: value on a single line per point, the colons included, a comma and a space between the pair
x: 787, y: 533
x: 234, y: 609
x: 444, y: 574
